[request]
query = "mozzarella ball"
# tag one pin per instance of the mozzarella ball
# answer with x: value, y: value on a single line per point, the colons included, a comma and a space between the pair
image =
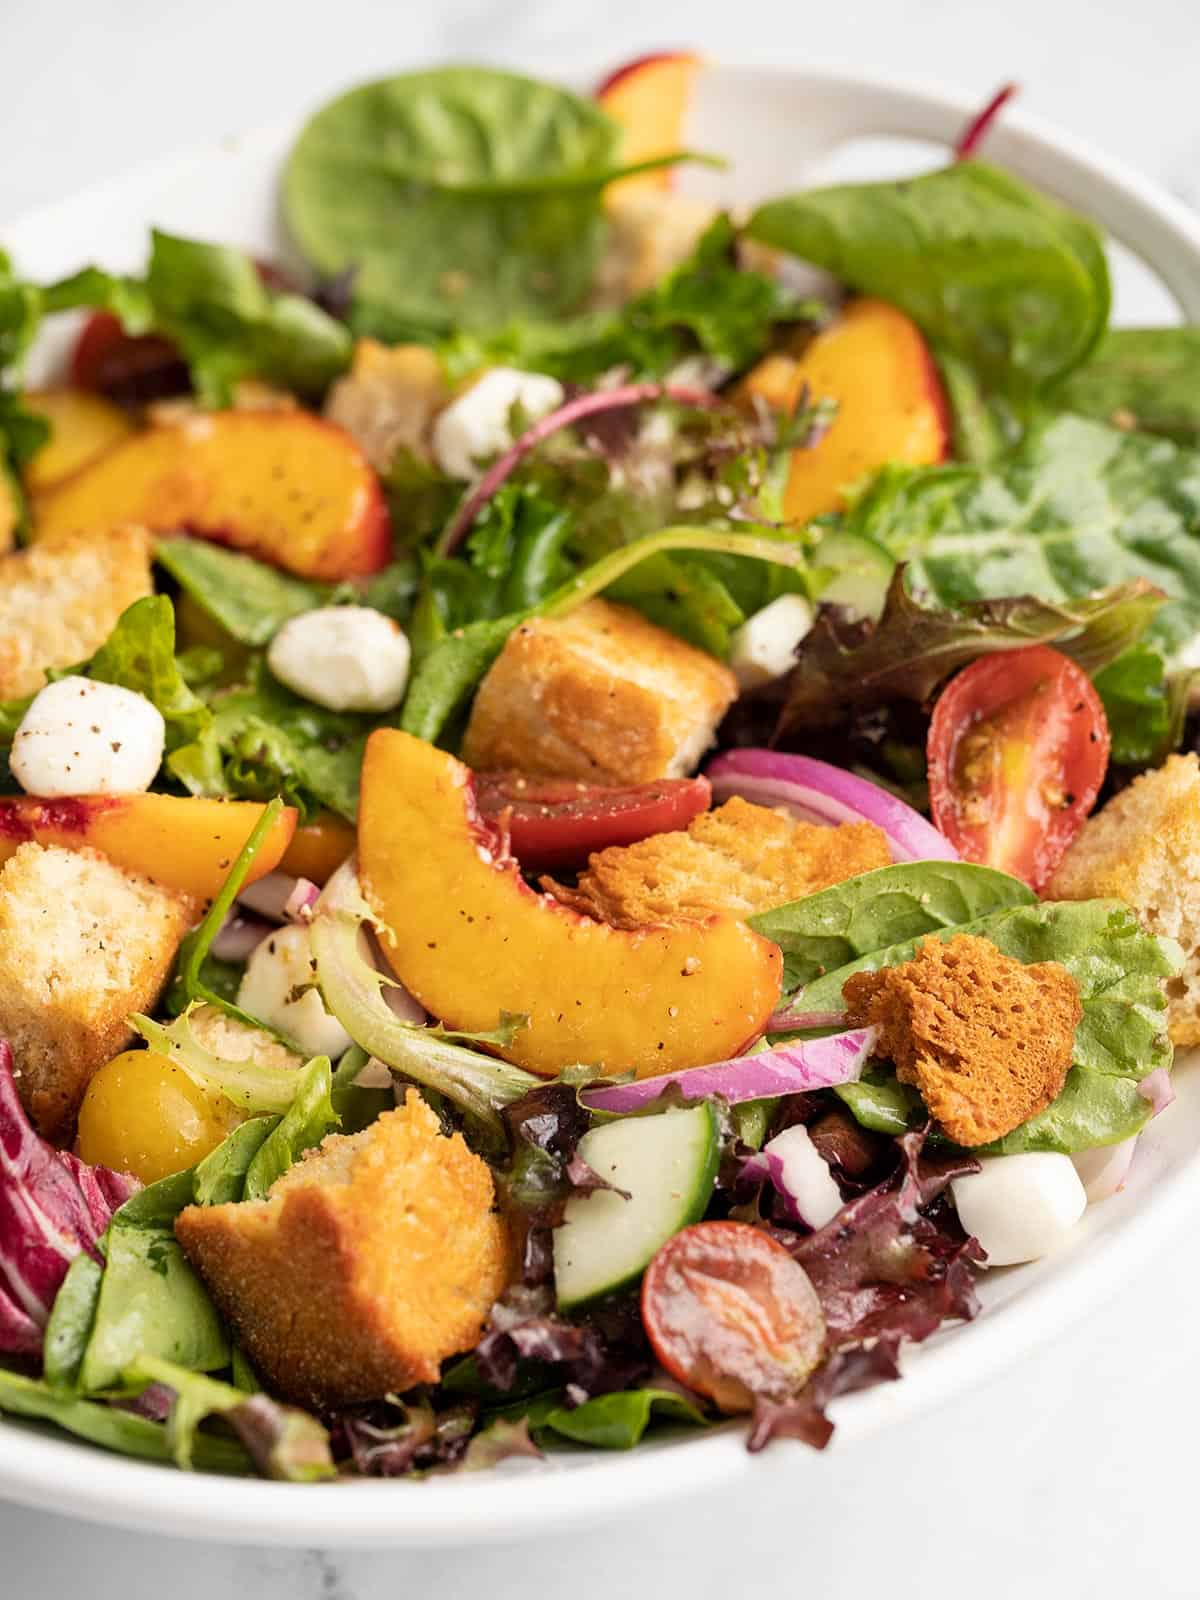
x: 348, y: 658
x: 81, y: 737
x: 1020, y: 1207
x: 476, y: 426
x: 279, y: 987
x: 764, y: 647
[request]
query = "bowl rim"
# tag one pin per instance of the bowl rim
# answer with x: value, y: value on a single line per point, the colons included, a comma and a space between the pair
x: 56, y: 1473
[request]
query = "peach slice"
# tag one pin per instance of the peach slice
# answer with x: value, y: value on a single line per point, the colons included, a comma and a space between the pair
x: 183, y: 843
x: 649, y: 97
x: 890, y: 405
x: 319, y: 847
x: 464, y: 932
x: 83, y: 426
x: 287, y: 487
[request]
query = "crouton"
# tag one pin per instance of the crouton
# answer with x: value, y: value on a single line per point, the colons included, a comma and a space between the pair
x: 388, y: 399
x: 652, y: 232
x: 601, y: 695
x: 739, y: 859
x: 60, y: 600
x: 985, y: 1039
x: 232, y: 1040
x: 369, y: 1262
x: 82, y: 944
x: 1144, y: 848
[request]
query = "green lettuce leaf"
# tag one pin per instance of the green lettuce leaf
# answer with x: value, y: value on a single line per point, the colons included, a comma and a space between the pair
x: 1145, y: 378
x: 139, y: 654
x: 211, y: 301
x: 1145, y: 706
x: 989, y: 268
x: 248, y: 599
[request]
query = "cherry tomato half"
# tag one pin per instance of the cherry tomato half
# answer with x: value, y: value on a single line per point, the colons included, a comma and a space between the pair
x: 1018, y: 748
x: 131, y: 369
x: 555, y: 822
x: 730, y: 1314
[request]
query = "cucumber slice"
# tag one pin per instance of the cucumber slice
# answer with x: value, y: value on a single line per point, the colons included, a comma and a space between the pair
x: 667, y: 1164
x: 852, y: 571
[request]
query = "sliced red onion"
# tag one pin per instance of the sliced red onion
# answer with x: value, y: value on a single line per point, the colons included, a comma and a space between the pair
x: 980, y: 124
x: 815, y: 791
x: 566, y: 416
x: 800, y: 1175
x: 238, y: 937
x: 1103, y: 1171
x: 1157, y: 1087
x: 790, y: 1069
x: 280, y: 897
x: 802, y: 1021
x: 402, y: 1004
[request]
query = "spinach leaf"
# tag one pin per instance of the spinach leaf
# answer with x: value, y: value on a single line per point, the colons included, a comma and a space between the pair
x: 846, y: 662
x: 283, y: 1441
x: 461, y: 197
x: 880, y: 1102
x: 139, y: 654
x: 70, y: 1326
x: 305, y: 1123
x: 1146, y: 378
x: 1078, y: 508
x: 212, y: 302
x: 1123, y: 1034
x: 248, y: 599
x: 263, y: 741
x: 989, y: 268
x: 875, y: 910
x: 220, y: 1178
x: 111, y: 1427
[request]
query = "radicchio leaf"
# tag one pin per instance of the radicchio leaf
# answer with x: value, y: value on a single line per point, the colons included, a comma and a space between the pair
x: 398, y: 1437
x: 52, y: 1207
x: 804, y: 1418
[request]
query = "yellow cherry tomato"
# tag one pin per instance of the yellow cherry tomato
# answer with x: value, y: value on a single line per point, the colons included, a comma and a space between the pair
x: 143, y: 1114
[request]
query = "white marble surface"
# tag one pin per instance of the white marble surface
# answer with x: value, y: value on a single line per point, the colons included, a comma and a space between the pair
x: 1071, y: 1475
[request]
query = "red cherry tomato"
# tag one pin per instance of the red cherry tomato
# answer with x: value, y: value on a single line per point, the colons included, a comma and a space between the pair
x: 555, y: 822
x: 129, y: 368
x: 730, y: 1314
x: 1018, y: 748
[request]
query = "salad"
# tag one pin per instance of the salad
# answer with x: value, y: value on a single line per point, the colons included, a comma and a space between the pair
x: 597, y: 803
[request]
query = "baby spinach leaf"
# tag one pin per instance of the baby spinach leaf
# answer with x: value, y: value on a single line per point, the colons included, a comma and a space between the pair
x: 220, y: 1178
x: 249, y: 599
x: 139, y: 654
x: 461, y: 197
x: 70, y: 1326
x: 846, y: 663
x: 305, y: 1123
x: 212, y: 302
x: 988, y: 267
x: 1145, y: 378
x: 891, y: 905
x: 1120, y: 972
x: 110, y: 1426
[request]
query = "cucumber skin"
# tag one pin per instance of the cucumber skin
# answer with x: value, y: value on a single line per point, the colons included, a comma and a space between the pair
x: 701, y: 1196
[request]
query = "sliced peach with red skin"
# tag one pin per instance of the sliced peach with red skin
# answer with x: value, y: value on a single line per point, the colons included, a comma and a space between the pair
x: 649, y: 98
x: 82, y: 426
x: 183, y: 843
x: 878, y: 369
x: 285, y: 486
x: 465, y: 934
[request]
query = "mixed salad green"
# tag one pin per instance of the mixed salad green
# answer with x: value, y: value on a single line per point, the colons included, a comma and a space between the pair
x: 470, y: 215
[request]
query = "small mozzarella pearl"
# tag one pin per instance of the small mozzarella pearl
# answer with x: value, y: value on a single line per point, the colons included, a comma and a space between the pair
x: 81, y: 737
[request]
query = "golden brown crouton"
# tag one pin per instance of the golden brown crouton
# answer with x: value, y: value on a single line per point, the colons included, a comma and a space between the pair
x: 985, y: 1039
x: 232, y: 1040
x: 601, y: 695
x: 1144, y: 848
x: 369, y: 1262
x: 82, y: 944
x: 388, y: 399
x: 60, y: 600
x: 652, y: 231
x: 740, y: 858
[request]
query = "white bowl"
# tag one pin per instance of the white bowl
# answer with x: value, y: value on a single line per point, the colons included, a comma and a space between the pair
x: 781, y: 128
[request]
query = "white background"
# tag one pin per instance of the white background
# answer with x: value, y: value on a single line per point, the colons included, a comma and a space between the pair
x: 1073, y: 1474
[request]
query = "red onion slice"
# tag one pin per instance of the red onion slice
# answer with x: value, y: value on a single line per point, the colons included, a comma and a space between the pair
x: 815, y: 791
x: 1103, y: 1171
x: 280, y: 897
x: 800, y: 1175
x: 238, y: 937
x: 584, y: 405
x: 802, y: 1021
x: 1157, y: 1088
x: 789, y: 1069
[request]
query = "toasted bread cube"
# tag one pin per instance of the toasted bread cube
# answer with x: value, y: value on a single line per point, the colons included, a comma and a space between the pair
x: 738, y: 859
x: 985, y: 1039
x: 1144, y: 848
x: 60, y: 600
x: 369, y: 1262
x: 652, y: 232
x: 388, y: 399
x: 82, y: 944
x: 601, y: 695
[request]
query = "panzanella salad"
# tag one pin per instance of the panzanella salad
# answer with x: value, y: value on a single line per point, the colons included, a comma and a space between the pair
x: 593, y: 823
